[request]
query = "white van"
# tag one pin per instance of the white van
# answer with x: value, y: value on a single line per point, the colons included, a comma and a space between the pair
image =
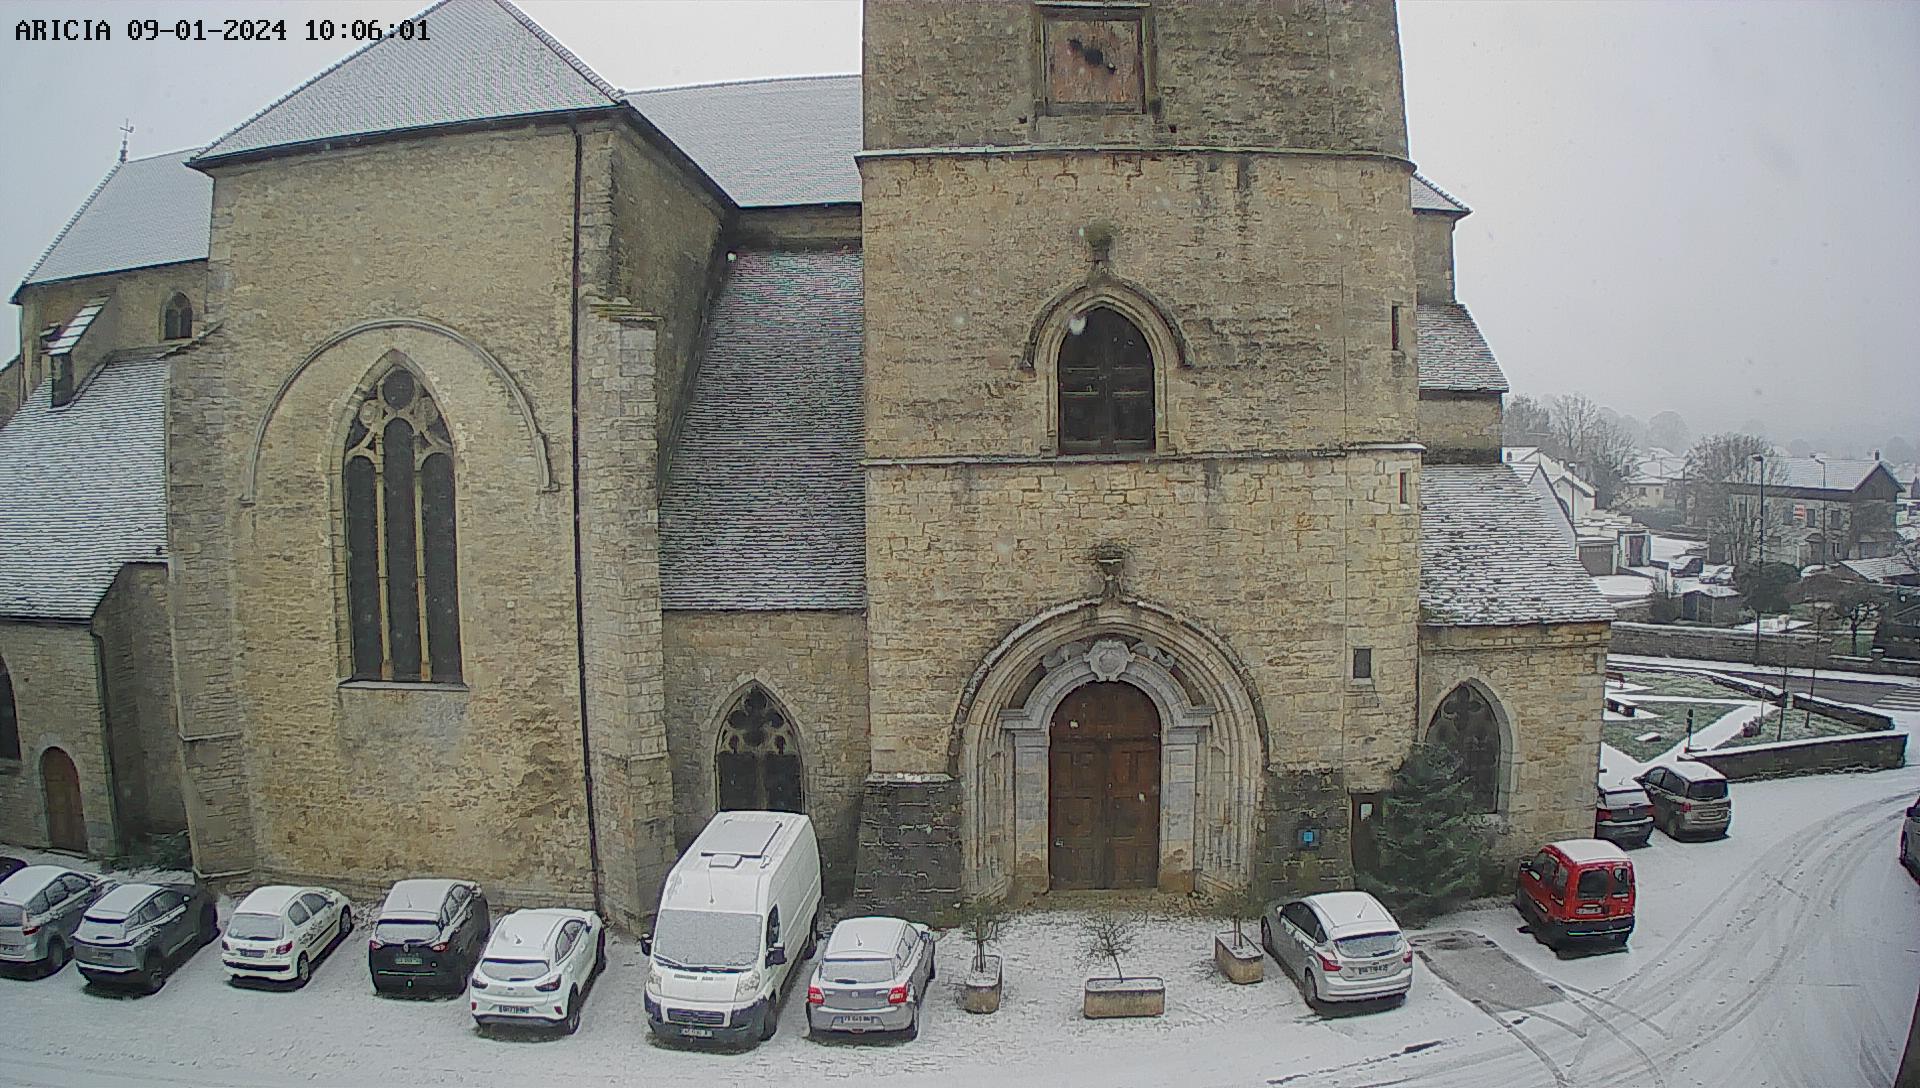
x: 740, y: 911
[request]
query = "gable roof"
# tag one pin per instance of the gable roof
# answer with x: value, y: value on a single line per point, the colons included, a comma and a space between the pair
x: 145, y: 212
x: 767, y: 142
x: 484, y: 60
x: 83, y: 489
x: 1428, y: 197
x: 1489, y: 555
x: 1825, y: 473
x: 764, y: 505
x: 1454, y: 357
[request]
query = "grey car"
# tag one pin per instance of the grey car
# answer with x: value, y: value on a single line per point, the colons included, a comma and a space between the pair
x: 40, y: 907
x: 1910, y: 840
x: 871, y: 976
x: 1688, y: 799
x: 137, y: 933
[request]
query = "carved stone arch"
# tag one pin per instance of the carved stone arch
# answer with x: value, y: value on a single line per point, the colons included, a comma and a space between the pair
x: 522, y: 406
x: 758, y: 747
x: 1165, y: 342
x: 1504, y: 764
x: 1213, y: 738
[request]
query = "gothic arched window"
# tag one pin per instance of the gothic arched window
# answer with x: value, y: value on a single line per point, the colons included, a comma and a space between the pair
x: 1105, y: 371
x: 9, y: 719
x: 758, y: 761
x: 176, y: 322
x: 403, y: 592
x: 1465, y: 725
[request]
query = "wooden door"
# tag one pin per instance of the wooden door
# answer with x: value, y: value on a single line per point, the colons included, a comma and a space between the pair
x: 1104, y: 795
x: 66, y: 824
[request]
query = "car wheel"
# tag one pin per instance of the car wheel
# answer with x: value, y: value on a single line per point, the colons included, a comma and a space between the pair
x: 1266, y: 939
x: 913, y: 1025
x: 572, y: 1023
x: 813, y: 938
x: 153, y: 973
x: 346, y: 925
x: 769, y: 1020
x: 600, y: 954
x: 1312, y: 986
x: 57, y: 955
x: 302, y: 972
x: 933, y: 967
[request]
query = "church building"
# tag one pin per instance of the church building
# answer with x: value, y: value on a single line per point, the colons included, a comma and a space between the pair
x: 1052, y: 458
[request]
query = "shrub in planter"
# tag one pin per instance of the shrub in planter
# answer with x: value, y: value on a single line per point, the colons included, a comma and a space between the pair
x: 1112, y: 937
x: 982, y: 920
x: 1238, y: 955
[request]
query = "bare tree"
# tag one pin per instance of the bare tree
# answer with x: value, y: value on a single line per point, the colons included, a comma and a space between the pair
x: 1723, y: 475
x: 1525, y: 422
x: 1594, y: 442
x: 1109, y: 937
x: 1669, y: 432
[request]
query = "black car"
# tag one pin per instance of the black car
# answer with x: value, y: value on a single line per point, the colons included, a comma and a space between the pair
x: 428, y: 936
x: 10, y: 866
x: 138, y: 933
x: 1623, y: 815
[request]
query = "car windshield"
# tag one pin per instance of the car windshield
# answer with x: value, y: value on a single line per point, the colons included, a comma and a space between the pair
x: 1367, y: 945
x: 710, y: 940
x: 401, y: 931
x: 513, y: 970
x: 856, y: 972
x: 254, y: 927
x: 1713, y: 789
x: 1625, y: 798
x: 11, y: 914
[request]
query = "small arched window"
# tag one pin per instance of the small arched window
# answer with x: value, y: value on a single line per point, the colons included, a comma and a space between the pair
x: 403, y: 591
x: 1465, y: 725
x: 758, y: 762
x: 1105, y: 371
x: 176, y: 322
x: 9, y: 719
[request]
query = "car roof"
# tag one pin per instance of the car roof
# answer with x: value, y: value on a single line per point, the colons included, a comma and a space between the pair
x: 1590, y: 851
x: 530, y: 931
x: 122, y: 900
x: 1694, y: 771
x: 26, y: 883
x: 272, y: 899
x: 416, y: 898
x: 854, y: 938
x: 1347, y: 913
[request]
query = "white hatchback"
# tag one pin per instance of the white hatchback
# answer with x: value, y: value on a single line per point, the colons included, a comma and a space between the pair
x: 537, y: 968
x: 277, y: 932
x: 1342, y: 946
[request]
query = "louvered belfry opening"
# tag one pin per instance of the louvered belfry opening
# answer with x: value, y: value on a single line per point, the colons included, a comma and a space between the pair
x: 1106, y: 385
x: 402, y: 566
x: 757, y: 765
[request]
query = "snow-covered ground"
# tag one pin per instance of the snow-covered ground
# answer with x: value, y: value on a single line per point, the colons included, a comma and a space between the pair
x: 1786, y: 954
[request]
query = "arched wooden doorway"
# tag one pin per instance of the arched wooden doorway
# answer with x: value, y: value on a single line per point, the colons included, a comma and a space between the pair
x: 66, y: 822
x: 1104, y: 802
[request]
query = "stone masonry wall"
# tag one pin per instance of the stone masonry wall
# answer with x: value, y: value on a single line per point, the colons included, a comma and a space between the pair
x: 135, y: 319
x: 56, y: 694
x: 1547, y: 683
x: 1460, y: 427
x: 814, y: 664
x: 910, y: 845
x: 147, y: 774
x: 1433, y: 273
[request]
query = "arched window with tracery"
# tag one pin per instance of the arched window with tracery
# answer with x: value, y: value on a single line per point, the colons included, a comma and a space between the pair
x: 9, y: 718
x: 1105, y: 371
x: 757, y: 765
x: 176, y: 321
x: 403, y: 592
x: 1465, y: 725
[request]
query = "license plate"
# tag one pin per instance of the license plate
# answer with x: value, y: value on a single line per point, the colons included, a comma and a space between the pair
x: 1373, y: 969
x: 698, y: 1033
x: 254, y: 953
x: 415, y: 960
x: 513, y: 1008
x: 855, y: 1021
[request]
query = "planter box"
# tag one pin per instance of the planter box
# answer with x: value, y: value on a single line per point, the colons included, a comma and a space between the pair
x: 981, y: 992
x: 1243, y: 964
x: 1112, y: 997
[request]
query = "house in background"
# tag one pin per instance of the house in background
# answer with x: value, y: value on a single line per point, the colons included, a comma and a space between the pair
x: 1703, y: 603
x: 1825, y: 509
x: 1574, y: 493
x: 1657, y: 482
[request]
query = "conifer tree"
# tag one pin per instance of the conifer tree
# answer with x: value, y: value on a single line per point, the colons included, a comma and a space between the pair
x: 1432, y: 851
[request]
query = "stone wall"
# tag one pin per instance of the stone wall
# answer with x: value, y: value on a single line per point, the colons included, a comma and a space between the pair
x: 1546, y: 684
x: 1458, y: 427
x: 56, y: 695
x: 1819, y: 755
x: 1433, y: 273
x: 1736, y: 644
x: 910, y: 845
x: 134, y: 320
x: 138, y: 661
x: 814, y: 665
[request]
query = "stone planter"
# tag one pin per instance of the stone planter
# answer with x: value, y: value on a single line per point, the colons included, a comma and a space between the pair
x: 1242, y: 963
x: 1112, y: 997
x: 981, y: 991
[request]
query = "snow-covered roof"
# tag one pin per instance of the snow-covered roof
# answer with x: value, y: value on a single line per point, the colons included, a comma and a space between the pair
x: 1454, y: 356
x: 1821, y: 473
x: 875, y: 937
x: 123, y: 900
x: 1352, y: 912
x: 26, y: 883
x: 766, y: 142
x: 1490, y: 555
x: 1695, y: 771
x: 1883, y: 569
x: 271, y: 899
x: 1589, y: 851
x: 1706, y: 590
x: 145, y: 212
x: 416, y: 898
x: 1428, y: 197
x: 1622, y: 587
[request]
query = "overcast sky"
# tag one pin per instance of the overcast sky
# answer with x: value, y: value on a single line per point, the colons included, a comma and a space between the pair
x: 1701, y: 207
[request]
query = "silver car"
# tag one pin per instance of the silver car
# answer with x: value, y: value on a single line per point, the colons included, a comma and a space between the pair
x: 871, y: 976
x: 1910, y: 840
x: 1342, y: 946
x: 40, y: 907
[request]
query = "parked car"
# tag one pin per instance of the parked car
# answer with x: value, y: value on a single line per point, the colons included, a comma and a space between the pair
x: 1577, y: 891
x: 873, y: 976
x: 538, y: 967
x: 740, y: 909
x: 1688, y: 798
x: 10, y: 866
x: 1342, y: 946
x: 1910, y: 840
x: 429, y: 934
x: 277, y: 932
x: 40, y: 907
x: 1623, y: 815
x: 135, y: 934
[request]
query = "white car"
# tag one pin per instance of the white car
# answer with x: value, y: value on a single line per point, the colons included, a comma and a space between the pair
x: 277, y: 932
x: 1342, y: 946
x: 538, y: 967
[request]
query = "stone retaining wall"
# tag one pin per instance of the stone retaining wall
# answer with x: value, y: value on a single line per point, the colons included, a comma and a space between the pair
x: 1824, y: 755
x: 1731, y: 644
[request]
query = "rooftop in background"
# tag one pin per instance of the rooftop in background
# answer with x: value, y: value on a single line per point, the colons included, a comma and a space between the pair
x: 767, y: 142
x: 1822, y: 473
x: 145, y: 212
x: 1428, y: 197
x: 1489, y: 555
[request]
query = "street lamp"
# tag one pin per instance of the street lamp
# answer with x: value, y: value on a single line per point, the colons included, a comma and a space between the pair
x: 1760, y: 527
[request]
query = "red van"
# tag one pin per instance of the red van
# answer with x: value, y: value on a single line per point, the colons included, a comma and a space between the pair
x: 1577, y: 891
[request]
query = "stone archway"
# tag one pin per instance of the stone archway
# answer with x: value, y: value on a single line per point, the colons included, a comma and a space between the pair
x: 66, y: 816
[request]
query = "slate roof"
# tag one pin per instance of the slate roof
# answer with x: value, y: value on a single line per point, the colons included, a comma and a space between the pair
x: 1454, y: 357
x: 70, y: 334
x: 1490, y: 556
x: 83, y: 489
x: 764, y: 506
x: 1428, y: 197
x: 1821, y: 473
x: 145, y: 212
x: 484, y: 60
x: 767, y: 142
